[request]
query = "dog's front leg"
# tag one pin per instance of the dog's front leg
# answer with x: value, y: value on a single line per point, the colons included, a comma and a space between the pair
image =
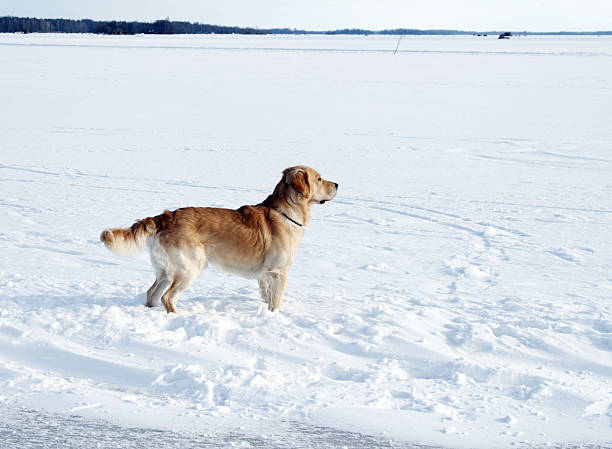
x: 264, y: 286
x: 276, y: 282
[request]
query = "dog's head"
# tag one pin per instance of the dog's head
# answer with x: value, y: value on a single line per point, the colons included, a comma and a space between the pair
x: 308, y: 185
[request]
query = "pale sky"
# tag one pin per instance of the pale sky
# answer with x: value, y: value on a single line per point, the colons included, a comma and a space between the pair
x: 515, y: 15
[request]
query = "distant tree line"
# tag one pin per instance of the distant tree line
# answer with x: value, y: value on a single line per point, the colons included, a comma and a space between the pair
x: 32, y: 25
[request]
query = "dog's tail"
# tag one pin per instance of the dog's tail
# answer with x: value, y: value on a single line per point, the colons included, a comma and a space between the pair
x: 129, y: 241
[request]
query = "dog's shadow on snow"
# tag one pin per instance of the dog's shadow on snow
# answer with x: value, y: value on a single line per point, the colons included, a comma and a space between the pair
x: 219, y: 303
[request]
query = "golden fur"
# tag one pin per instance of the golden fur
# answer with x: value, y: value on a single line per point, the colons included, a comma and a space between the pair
x: 253, y: 241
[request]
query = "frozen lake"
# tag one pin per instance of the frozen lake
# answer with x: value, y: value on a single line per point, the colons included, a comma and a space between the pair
x: 456, y: 293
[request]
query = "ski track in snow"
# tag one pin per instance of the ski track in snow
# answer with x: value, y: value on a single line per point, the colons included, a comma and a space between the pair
x: 456, y: 293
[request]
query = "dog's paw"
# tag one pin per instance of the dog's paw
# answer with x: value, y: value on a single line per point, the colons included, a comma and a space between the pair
x: 169, y: 306
x: 273, y: 308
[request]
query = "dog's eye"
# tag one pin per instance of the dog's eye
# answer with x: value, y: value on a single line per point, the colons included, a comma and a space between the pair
x: 319, y: 179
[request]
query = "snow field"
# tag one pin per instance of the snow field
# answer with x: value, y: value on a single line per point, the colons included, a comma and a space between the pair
x: 455, y: 293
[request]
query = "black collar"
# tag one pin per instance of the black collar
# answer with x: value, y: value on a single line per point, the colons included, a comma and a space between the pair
x: 289, y: 218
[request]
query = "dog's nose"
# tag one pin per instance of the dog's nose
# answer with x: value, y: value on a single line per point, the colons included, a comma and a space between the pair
x: 336, y: 184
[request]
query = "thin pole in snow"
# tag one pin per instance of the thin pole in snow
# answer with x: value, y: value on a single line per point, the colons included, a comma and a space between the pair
x: 398, y: 42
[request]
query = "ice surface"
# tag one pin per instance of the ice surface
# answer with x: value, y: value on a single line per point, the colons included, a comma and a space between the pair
x: 32, y: 429
x: 455, y: 293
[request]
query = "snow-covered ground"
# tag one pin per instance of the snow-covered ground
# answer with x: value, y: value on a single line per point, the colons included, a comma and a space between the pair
x: 457, y: 292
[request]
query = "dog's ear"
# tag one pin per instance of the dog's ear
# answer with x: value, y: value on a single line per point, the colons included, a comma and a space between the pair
x: 298, y: 179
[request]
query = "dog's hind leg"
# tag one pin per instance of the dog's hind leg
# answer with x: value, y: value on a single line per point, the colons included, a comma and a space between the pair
x: 150, y: 294
x: 161, y: 264
x: 187, y: 266
x: 155, y: 291
x: 179, y: 285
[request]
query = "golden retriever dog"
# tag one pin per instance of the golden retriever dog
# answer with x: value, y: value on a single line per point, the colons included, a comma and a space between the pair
x: 253, y: 241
